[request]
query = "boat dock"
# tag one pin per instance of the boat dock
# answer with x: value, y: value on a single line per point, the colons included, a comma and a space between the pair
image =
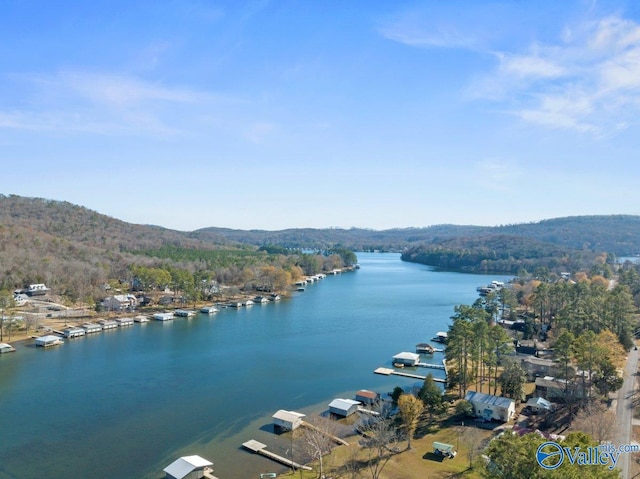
x: 259, y: 448
x: 429, y: 365
x: 333, y: 438
x: 389, y: 372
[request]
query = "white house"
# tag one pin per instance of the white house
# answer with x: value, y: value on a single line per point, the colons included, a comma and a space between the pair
x: 288, y: 420
x: 406, y: 359
x: 120, y: 302
x: 188, y: 467
x: 488, y: 407
x: 343, y: 407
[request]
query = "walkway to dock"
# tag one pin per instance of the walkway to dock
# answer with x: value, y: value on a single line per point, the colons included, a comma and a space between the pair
x: 333, y: 438
x: 389, y: 372
x: 429, y: 365
x: 260, y: 448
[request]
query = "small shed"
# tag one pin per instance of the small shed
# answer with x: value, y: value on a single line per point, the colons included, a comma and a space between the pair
x: 287, y: 420
x: 48, y: 340
x: 367, y: 397
x: 188, y: 467
x: 538, y: 405
x: 488, y: 407
x: 406, y: 359
x: 343, y: 407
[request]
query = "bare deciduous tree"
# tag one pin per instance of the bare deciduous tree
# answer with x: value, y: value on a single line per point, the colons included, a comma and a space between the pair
x: 379, y: 438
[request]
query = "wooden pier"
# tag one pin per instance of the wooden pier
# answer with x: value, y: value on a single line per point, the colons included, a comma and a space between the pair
x: 260, y: 448
x: 333, y: 438
x: 389, y: 372
x: 429, y: 365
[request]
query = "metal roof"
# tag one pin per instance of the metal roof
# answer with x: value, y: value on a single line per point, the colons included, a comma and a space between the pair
x: 290, y: 416
x: 344, y: 404
x: 489, y: 399
x: 186, y: 464
x: 409, y: 356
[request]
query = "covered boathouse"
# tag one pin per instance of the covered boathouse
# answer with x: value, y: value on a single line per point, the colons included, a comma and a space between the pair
x: 189, y: 467
x: 343, y: 407
x: 287, y: 420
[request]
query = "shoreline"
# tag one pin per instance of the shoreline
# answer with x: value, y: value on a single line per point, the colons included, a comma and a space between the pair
x: 60, y: 321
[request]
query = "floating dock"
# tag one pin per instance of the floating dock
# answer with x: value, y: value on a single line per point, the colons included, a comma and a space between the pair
x: 389, y: 372
x: 260, y: 448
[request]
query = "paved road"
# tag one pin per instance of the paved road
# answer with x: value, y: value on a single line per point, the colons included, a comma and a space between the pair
x: 624, y: 410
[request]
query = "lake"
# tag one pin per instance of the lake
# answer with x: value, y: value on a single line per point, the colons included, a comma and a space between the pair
x: 127, y: 403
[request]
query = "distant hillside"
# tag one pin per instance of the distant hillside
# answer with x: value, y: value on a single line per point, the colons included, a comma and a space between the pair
x: 74, y: 248
x: 617, y: 234
x: 498, y: 254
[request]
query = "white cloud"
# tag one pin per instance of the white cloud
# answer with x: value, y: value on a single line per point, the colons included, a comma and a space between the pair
x: 590, y: 82
x: 76, y: 101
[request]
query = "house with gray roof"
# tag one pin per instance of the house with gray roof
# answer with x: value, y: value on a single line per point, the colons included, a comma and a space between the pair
x: 488, y: 407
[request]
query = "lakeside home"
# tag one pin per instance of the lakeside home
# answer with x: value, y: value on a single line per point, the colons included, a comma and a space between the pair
x: 488, y: 407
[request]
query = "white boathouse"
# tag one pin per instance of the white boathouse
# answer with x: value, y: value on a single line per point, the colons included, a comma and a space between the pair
x: 48, y: 340
x: 343, y: 407
x: 188, y: 467
x: 406, y: 359
x: 287, y: 420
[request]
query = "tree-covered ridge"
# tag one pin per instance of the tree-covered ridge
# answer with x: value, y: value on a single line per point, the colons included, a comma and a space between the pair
x: 497, y: 254
x: 617, y: 234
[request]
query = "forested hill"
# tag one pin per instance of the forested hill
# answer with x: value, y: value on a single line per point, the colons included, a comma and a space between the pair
x: 617, y: 234
x: 502, y: 254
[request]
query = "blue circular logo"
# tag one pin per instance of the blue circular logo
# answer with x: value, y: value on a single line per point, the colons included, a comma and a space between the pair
x: 549, y: 455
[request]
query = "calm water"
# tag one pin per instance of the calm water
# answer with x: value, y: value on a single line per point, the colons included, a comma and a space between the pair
x: 126, y: 403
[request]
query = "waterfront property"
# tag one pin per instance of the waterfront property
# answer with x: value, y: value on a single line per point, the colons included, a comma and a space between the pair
x: 48, y: 340
x: 209, y: 310
x: 406, y: 359
x: 163, y: 316
x: 120, y: 302
x: 424, y: 348
x: 185, y: 313
x: 124, y: 322
x: 189, y: 467
x: 488, y: 407
x: 367, y: 397
x: 141, y: 319
x: 91, y: 328
x: 440, y: 337
x: 343, y: 407
x: 287, y: 420
x: 74, y: 332
x: 260, y: 448
x: 108, y: 324
x: 6, y: 348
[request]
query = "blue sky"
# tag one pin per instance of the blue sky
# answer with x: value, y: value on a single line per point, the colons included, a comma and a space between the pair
x: 277, y: 114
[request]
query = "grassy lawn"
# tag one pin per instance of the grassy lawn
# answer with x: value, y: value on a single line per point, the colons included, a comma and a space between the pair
x: 417, y: 463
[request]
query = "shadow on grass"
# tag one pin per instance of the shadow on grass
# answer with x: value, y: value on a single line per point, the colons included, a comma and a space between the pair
x: 430, y: 456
